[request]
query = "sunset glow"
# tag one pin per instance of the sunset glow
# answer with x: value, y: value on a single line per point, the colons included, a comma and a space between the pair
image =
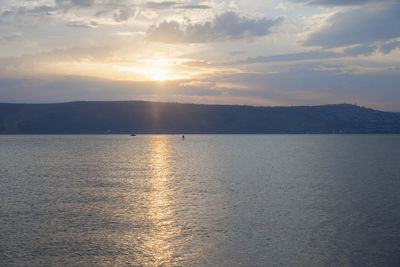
x: 199, y: 132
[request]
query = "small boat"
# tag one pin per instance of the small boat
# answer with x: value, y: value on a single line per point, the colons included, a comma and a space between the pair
x: 133, y: 134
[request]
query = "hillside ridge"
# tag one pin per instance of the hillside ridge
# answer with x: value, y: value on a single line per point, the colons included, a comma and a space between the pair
x: 98, y: 117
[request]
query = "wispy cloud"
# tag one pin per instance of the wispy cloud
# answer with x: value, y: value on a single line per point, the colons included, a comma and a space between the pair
x: 309, y: 55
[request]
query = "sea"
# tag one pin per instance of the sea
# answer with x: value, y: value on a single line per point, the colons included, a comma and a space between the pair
x: 205, y: 200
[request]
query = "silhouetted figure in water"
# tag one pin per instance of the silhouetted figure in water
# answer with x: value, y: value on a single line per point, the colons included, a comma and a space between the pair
x: 183, y: 137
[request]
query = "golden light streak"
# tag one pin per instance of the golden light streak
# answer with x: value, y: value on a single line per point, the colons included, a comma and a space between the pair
x: 160, y: 241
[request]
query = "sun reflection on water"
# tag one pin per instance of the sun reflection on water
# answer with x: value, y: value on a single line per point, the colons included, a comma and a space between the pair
x: 161, y: 236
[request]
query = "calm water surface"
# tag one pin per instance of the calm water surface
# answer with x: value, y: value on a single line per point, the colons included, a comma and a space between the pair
x: 210, y: 200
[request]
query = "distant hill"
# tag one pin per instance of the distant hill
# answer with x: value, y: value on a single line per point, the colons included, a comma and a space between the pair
x: 152, y: 117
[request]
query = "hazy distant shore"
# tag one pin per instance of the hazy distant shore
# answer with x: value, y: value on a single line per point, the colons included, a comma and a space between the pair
x: 142, y: 117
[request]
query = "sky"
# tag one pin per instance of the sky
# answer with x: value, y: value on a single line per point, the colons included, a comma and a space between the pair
x: 259, y: 52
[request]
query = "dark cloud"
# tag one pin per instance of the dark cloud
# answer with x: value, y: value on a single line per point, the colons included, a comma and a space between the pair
x: 359, y: 26
x: 226, y: 26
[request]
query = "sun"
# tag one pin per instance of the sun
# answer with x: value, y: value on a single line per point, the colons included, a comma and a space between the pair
x: 157, y: 70
x: 159, y: 78
x: 159, y: 75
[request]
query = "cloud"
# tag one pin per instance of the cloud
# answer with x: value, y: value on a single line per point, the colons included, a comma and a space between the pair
x: 175, y: 5
x: 99, y: 10
x: 226, y: 26
x: 354, y: 51
x: 365, y: 50
x: 195, y: 7
x: 71, y: 88
x: 343, y: 2
x: 82, y: 24
x: 358, y: 26
x: 237, y: 53
x: 124, y: 14
x: 66, y: 4
x: 309, y: 55
x: 388, y: 47
x: 34, y: 63
x: 168, y: 32
x: 44, y: 9
x: 11, y: 37
x: 160, y: 5
x: 308, y: 84
x: 59, y: 5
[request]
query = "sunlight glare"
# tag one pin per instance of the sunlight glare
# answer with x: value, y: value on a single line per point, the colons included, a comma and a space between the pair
x: 159, y: 75
x: 155, y: 70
